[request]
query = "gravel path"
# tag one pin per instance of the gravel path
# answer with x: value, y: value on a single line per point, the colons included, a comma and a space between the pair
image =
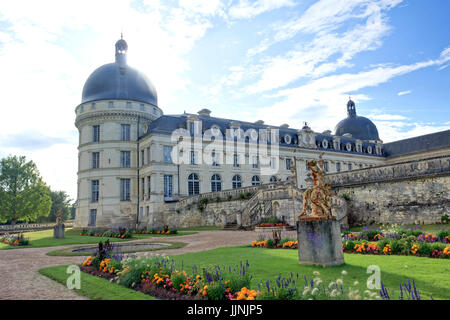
x: 20, y: 279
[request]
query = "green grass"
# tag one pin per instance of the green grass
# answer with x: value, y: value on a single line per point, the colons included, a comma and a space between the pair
x: 67, y: 252
x: 44, y: 238
x: 95, y: 287
x: 430, y: 275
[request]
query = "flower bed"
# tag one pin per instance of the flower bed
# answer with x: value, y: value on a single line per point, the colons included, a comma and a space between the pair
x: 270, y: 243
x: 402, y: 246
x: 120, y: 233
x: 155, y: 231
x: 158, y: 276
x: 15, y: 240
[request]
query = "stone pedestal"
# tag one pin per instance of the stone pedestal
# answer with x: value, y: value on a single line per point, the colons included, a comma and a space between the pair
x: 319, y: 243
x: 58, y: 231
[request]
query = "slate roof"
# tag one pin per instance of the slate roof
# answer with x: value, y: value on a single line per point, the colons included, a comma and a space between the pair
x: 428, y: 142
x: 166, y: 124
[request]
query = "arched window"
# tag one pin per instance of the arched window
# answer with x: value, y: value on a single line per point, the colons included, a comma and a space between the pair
x: 193, y: 184
x: 273, y: 179
x: 255, y: 181
x: 237, y: 181
x: 216, y: 183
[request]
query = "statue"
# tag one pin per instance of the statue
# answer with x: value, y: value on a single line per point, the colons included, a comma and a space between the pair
x: 58, y: 229
x: 59, y: 218
x: 316, y: 199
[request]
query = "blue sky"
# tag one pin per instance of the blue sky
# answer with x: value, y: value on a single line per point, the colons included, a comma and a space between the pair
x: 281, y: 61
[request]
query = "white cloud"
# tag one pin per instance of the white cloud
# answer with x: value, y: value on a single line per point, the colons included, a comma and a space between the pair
x: 246, y: 9
x: 386, y: 117
x: 47, y: 55
x: 402, y: 93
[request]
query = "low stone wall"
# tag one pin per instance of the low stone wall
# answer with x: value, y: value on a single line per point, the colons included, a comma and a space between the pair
x: 26, y: 227
x: 419, y: 200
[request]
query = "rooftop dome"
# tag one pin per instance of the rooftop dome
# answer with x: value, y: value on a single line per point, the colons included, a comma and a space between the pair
x: 359, y: 127
x: 119, y: 81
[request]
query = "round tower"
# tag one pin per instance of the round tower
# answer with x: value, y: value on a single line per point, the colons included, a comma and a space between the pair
x: 117, y: 104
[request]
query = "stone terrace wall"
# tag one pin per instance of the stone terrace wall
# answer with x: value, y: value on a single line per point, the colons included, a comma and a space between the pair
x: 407, y: 192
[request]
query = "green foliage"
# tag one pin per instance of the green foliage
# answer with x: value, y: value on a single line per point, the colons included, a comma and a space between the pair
x: 215, y: 291
x: 370, y: 234
x: 270, y: 243
x: 230, y: 197
x: 425, y: 249
x: 350, y: 245
x: 248, y: 195
x: 177, y: 279
x: 437, y: 246
x: 346, y: 196
x: 395, y: 246
x: 241, y: 196
x: 60, y: 200
x: 445, y: 219
x: 443, y: 233
x: 204, y: 201
x: 218, y: 199
x: 23, y: 194
x: 382, y: 243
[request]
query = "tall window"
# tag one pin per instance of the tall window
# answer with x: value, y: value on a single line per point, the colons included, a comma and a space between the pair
x: 167, y: 154
x: 168, y: 187
x: 338, y: 166
x: 95, y: 133
x: 349, y: 166
x: 325, y: 166
x: 216, y: 183
x: 124, y: 189
x: 95, y: 160
x: 149, y: 188
x: 288, y: 164
x: 272, y: 162
x: 125, y: 132
x: 192, y: 128
x: 255, y: 162
x: 142, y: 157
x: 147, y: 211
x: 193, y: 184
x: 255, y: 181
x: 141, y: 213
x: 235, y: 160
x: 92, y: 217
x: 94, y: 190
x: 236, y: 182
x: 214, y: 159
x: 192, y: 157
x: 143, y: 188
x: 125, y: 159
x: 148, y: 155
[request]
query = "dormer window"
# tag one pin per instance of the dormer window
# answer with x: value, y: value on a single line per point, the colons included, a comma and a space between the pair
x: 128, y: 104
x: 111, y: 104
x: 93, y: 105
x: 142, y: 107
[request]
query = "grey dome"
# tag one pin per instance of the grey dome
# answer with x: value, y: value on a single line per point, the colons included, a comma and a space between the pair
x: 359, y: 127
x: 119, y: 81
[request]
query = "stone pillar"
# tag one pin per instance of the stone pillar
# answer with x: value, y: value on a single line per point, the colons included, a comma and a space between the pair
x: 319, y: 243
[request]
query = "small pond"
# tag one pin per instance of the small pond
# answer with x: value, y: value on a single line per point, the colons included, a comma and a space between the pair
x: 120, y: 248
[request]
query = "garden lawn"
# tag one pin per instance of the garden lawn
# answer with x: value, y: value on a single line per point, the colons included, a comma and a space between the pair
x: 95, y: 287
x: 44, y: 238
x: 430, y: 275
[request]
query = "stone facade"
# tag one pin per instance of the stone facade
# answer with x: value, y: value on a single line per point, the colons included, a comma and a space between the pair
x: 409, y: 192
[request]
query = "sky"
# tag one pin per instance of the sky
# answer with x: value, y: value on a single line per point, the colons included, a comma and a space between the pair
x: 281, y: 61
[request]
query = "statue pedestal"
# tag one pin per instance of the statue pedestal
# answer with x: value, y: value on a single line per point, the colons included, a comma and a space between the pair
x: 58, y: 231
x: 319, y: 242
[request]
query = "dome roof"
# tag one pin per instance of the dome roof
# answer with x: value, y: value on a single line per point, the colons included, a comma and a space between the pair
x: 119, y: 81
x: 359, y: 127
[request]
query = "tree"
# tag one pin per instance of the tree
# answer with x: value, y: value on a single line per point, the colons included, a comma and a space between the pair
x: 60, y: 200
x: 24, y: 195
